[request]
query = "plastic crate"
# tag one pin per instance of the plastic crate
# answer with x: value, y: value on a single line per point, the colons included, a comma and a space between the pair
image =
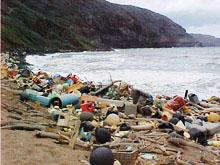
x: 126, y: 157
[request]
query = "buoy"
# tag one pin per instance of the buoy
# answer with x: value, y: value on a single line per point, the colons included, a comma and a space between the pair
x: 59, y: 88
x: 213, y: 117
x: 101, y: 156
x: 102, y: 135
x: 112, y: 119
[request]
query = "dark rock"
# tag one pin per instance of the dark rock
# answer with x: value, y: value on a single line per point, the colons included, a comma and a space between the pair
x: 175, y: 135
x: 87, y: 126
x: 156, y: 115
x: 174, y: 120
x: 146, y: 110
x: 198, y: 135
x: 124, y: 127
x: 86, y: 116
x: 165, y: 126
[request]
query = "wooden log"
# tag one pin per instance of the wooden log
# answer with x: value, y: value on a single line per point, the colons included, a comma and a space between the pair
x: 208, y: 105
x: 22, y: 126
x: 211, y: 110
x: 15, y: 110
x: 142, y: 127
x: 43, y: 134
x: 37, y: 115
x: 98, y: 92
x: 13, y: 116
x: 4, y: 123
x: 197, y: 106
x: 181, y: 142
x: 12, y: 90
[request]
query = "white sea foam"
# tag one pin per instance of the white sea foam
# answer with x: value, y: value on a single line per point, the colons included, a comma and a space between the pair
x: 157, y: 71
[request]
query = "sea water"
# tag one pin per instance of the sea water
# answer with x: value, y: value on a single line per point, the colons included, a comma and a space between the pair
x: 161, y: 71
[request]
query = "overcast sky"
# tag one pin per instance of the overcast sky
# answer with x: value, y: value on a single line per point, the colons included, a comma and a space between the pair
x: 196, y: 16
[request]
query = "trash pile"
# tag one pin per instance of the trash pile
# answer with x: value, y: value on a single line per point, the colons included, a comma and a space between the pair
x: 118, y: 123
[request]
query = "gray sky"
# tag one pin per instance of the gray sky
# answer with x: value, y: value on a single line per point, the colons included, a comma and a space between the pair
x: 196, y: 16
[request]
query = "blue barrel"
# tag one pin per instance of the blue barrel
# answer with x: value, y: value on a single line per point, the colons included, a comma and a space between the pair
x: 29, y: 94
x: 44, y: 101
x: 67, y: 99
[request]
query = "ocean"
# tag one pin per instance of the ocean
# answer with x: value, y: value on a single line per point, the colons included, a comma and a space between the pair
x: 159, y: 71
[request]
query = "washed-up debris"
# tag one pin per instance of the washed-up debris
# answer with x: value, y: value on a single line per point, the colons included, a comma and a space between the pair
x: 114, y: 121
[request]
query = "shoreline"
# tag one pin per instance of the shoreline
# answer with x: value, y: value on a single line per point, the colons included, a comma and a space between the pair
x: 151, y: 117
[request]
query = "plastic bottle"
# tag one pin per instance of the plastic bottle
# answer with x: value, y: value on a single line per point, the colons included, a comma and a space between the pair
x: 214, y: 143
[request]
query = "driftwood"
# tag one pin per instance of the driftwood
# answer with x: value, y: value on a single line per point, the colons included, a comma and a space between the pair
x: 22, y: 126
x: 98, y: 92
x: 43, y: 134
x: 208, y: 105
x: 13, y: 116
x: 142, y: 127
x: 180, y: 161
x: 37, y: 115
x: 214, y: 109
x: 11, y: 90
x: 15, y: 110
x: 197, y: 106
x: 75, y: 134
x: 4, y: 123
x: 61, y: 138
x: 181, y: 142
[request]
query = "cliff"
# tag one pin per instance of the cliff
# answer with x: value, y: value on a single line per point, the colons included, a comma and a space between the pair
x: 207, y: 40
x: 52, y: 25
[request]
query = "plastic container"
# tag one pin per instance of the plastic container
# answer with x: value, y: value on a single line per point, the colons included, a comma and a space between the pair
x: 214, y: 143
x: 75, y: 78
x: 176, y: 103
x: 87, y: 107
x: 166, y: 116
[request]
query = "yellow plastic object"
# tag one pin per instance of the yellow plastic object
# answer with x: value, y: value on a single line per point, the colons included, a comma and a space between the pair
x: 166, y: 116
x: 214, y: 143
x: 213, y: 117
x: 102, y: 105
x: 74, y: 87
x: 4, y: 71
x: 186, y: 109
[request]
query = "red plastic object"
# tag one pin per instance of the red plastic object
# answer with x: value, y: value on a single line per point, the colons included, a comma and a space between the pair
x: 13, y: 73
x: 87, y: 107
x: 75, y: 78
x: 176, y: 103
